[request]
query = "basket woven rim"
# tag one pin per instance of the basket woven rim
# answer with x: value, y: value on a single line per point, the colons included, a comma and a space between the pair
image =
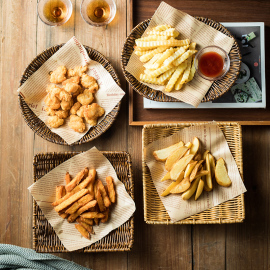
x: 192, y: 219
x: 51, y: 136
x: 130, y: 192
x: 156, y: 95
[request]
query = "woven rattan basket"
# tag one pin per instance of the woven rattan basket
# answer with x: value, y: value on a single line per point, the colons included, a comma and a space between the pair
x: 38, y: 126
x: 232, y: 211
x: 44, y: 237
x: 217, y: 89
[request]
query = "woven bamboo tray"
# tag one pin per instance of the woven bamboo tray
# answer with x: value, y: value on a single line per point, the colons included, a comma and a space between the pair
x: 44, y: 237
x: 217, y: 89
x: 232, y: 211
x: 38, y: 126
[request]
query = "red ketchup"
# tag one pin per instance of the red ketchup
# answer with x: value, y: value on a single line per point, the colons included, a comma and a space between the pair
x: 211, y: 64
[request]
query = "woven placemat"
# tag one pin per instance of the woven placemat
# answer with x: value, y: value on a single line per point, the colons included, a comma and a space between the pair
x: 232, y: 211
x: 38, y: 126
x: 217, y: 89
x: 44, y: 237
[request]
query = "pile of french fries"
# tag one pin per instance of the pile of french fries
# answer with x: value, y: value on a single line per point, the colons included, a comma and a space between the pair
x: 190, y: 171
x: 167, y: 60
x: 85, y: 200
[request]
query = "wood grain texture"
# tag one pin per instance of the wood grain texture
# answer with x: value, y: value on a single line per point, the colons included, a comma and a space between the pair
x: 234, y: 246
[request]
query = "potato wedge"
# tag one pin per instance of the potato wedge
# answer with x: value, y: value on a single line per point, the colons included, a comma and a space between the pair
x: 212, y: 165
x: 195, y: 146
x: 163, y: 154
x: 175, y: 156
x: 167, y: 176
x: 208, y: 176
x: 180, y: 166
x: 199, y: 189
x: 172, y: 185
x: 182, y: 186
x: 189, y: 168
x: 221, y: 174
x: 187, y: 194
x: 195, y: 170
x: 200, y: 174
x: 204, y: 154
x: 198, y: 157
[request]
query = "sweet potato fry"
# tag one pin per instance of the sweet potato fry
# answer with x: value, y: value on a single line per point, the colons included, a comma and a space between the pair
x: 81, y: 202
x: 100, y: 201
x: 86, y: 220
x: 88, y: 227
x: 96, y: 221
x: 106, y: 216
x: 67, y: 178
x: 82, y: 231
x: 76, y: 180
x: 59, y: 192
x: 81, y: 210
x: 111, y: 189
x: 103, y: 193
x: 92, y: 175
x: 71, y: 200
x: 92, y: 215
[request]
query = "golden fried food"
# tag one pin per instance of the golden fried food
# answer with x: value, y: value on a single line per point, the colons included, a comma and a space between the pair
x: 62, y: 114
x: 55, y: 121
x: 76, y: 123
x: 86, y: 97
x: 75, y: 108
x: 92, y: 113
x: 53, y: 90
x: 77, y: 71
x: 87, y: 81
x: 52, y: 102
x: 65, y: 96
x: 50, y: 111
x: 58, y: 75
x: 77, y: 92
x: 80, y: 112
x: 75, y: 79
x: 72, y: 88
x: 66, y: 105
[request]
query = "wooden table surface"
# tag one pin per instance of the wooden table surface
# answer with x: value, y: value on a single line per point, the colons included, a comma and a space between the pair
x: 232, y: 246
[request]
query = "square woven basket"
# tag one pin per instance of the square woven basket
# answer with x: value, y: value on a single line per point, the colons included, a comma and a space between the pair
x: 45, y: 238
x: 232, y: 211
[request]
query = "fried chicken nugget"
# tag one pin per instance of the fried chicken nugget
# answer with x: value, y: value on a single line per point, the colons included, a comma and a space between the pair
x: 64, y: 95
x: 55, y: 121
x: 93, y: 88
x: 75, y: 108
x: 62, y: 114
x: 75, y: 79
x: 86, y: 97
x: 58, y: 75
x: 87, y: 81
x: 66, y: 105
x: 53, y: 90
x: 72, y: 88
x: 76, y: 123
x: 77, y: 71
x: 52, y: 102
x: 80, y: 112
x: 92, y: 113
x: 50, y: 111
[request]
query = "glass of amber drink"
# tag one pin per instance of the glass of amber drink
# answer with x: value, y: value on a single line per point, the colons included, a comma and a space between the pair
x: 54, y: 12
x: 212, y: 63
x: 98, y: 12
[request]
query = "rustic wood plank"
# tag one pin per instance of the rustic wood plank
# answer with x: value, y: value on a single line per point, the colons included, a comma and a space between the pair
x: 247, y: 244
x: 16, y: 139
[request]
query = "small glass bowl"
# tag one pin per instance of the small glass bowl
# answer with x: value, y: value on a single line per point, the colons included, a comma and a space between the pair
x: 222, y: 53
x: 41, y: 7
x: 85, y: 5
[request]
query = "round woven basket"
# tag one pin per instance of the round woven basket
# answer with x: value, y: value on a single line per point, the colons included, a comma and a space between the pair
x: 38, y: 126
x: 217, y: 89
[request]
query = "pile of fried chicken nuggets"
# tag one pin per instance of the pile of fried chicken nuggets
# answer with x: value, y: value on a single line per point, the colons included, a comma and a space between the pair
x: 74, y: 99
